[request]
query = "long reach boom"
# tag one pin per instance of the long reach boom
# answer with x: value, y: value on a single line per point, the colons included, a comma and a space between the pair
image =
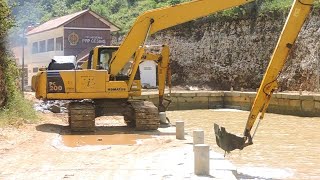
x: 296, y: 18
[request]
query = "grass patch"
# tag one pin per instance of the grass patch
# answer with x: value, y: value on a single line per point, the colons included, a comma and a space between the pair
x: 17, y: 109
x: 18, y: 112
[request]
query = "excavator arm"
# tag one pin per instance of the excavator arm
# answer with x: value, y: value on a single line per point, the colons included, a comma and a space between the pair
x: 296, y: 18
x: 158, y: 19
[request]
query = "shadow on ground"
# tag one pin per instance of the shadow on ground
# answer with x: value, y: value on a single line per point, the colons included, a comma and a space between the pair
x: 246, y: 176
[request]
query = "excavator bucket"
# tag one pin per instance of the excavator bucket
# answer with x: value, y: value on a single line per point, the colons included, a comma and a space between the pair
x: 228, y: 141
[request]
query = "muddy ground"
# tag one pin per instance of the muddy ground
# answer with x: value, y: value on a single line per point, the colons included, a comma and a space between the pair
x: 48, y: 150
x: 37, y: 151
x: 285, y: 148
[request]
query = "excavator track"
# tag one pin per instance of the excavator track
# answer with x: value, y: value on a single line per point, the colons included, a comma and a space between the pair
x: 81, y: 116
x: 143, y: 115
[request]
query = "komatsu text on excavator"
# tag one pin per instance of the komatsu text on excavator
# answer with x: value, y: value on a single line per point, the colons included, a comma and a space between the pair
x: 296, y: 18
x: 109, y: 78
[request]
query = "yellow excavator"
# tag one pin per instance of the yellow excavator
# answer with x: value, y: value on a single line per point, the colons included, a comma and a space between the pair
x: 105, y: 87
x: 296, y: 18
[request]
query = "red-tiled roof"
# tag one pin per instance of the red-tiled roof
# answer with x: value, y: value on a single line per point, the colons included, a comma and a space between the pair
x: 55, y: 23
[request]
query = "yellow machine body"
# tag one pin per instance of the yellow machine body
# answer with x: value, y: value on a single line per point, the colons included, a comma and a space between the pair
x: 82, y: 84
x: 91, y: 81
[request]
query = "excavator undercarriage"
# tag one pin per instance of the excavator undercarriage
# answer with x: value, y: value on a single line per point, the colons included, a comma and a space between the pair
x: 142, y: 115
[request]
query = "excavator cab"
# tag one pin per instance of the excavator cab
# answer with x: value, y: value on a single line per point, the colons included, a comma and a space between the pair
x: 100, y: 57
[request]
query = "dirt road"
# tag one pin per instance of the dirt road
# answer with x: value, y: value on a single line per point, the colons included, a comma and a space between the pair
x: 33, y: 151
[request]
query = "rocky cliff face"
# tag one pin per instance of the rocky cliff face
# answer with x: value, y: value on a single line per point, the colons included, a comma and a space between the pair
x: 221, y: 52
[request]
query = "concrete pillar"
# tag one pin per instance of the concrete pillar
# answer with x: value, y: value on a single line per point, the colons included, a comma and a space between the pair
x: 180, y: 130
x: 300, y: 92
x: 163, y: 117
x: 201, y: 160
x: 231, y: 89
x: 242, y: 90
x: 198, y: 137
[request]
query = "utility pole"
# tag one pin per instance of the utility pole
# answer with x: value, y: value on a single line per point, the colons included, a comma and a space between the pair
x: 22, y: 72
x: 317, y: 80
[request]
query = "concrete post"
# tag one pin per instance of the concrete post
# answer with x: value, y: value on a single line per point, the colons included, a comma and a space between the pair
x: 163, y: 117
x: 198, y: 137
x: 201, y: 160
x: 231, y: 89
x: 300, y: 92
x: 180, y: 130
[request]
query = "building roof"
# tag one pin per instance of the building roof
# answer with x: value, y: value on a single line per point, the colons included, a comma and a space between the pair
x: 60, y: 21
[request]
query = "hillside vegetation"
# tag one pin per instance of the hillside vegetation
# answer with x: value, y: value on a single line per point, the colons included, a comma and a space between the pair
x: 121, y: 12
x: 13, y: 108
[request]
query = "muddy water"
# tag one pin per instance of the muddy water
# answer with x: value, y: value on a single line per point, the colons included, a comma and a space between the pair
x: 282, y: 142
x: 110, y: 130
x: 114, y: 139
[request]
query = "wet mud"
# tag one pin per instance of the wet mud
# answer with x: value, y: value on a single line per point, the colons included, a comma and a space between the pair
x: 112, y: 139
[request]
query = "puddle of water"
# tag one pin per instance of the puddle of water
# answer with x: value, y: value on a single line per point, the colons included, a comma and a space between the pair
x: 110, y: 139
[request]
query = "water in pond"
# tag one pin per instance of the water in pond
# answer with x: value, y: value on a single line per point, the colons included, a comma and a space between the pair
x: 283, y: 142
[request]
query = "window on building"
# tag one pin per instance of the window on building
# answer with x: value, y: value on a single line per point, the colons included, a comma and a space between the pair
x: 59, y: 44
x: 35, y: 69
x: 34, y: 47
x: 50, y: 45
x: 42, y: 46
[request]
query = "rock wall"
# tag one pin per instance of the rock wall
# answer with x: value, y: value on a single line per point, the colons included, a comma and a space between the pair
x: 218, y: 53
x: 281, y: 103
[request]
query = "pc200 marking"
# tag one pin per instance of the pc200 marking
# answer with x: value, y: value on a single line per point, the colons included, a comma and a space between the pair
x: 54, y: 87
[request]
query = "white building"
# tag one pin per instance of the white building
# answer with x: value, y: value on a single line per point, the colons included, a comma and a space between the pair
x: 65, y: 36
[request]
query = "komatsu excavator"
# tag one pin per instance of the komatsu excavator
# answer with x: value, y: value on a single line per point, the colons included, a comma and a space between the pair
x: 296, y: 18
x: 103, y: 81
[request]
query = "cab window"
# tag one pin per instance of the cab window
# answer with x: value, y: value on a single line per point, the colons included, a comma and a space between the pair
x: 90, y: 60
x: 105, y: 56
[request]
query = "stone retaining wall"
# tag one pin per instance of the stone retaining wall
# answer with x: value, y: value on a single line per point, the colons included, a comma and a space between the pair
x: 281, y: 103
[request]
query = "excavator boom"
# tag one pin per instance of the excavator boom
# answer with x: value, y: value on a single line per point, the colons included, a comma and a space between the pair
x: 158, y: 19
x: 296, y: 18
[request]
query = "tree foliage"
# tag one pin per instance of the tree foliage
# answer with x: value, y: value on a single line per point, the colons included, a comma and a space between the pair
x: 121, y: 12
x: 14, y: 109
